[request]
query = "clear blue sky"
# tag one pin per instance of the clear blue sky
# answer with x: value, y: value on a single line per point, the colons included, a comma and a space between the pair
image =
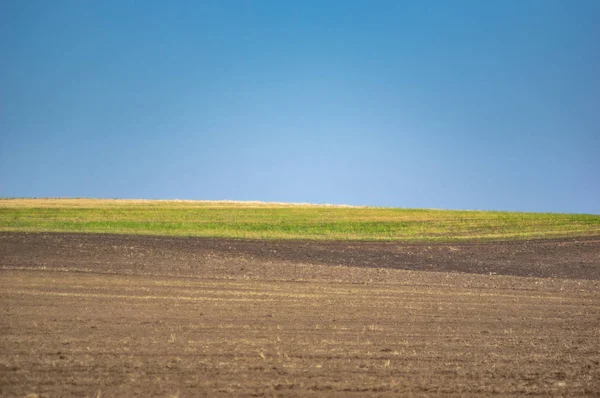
x: 444, y: 104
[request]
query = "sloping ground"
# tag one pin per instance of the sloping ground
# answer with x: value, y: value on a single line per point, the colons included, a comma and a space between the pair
x: 558, y: 258
x: 246, y: 220
x: 98, y: 315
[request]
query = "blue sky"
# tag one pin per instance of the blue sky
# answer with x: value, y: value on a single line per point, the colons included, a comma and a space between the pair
x: 444, y: 104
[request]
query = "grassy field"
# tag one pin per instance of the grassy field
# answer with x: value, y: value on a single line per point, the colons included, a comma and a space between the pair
x: 283, y: 221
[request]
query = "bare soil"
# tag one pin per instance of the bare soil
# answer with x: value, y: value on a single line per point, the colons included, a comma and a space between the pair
x: 107, y: 315
x: 572, y: 258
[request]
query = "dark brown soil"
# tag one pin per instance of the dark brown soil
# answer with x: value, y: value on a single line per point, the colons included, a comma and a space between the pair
x: 104, y: 316
x: 573, y: 258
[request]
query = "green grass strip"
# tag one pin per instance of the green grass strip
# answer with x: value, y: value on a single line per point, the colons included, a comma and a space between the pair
x: 281, y: 221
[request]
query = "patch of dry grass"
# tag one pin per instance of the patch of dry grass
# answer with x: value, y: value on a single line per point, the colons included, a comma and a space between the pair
x: 74, y: 203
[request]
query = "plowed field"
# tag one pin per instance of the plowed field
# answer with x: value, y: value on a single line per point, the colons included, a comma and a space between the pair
x: 102, y: 315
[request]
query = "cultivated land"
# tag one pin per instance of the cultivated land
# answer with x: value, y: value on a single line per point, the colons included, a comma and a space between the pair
x: 124, y: 315
x: 283, y: 221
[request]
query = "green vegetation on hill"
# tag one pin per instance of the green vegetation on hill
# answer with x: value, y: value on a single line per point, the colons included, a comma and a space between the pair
x: 283, y: 221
